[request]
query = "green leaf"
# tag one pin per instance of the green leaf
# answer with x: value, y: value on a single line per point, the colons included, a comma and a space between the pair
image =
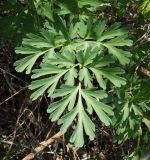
x: 89, y: 126
x: 80, y: 57
x: 112, y: 32
x: 99, y: 28
x: 100, y: 61
x: 91, y: 3
x: 99, y: 78
x: 61, y: 60
x: 125, y: 111
x: 70, y: 77
x: 137, y: 110
x: 77, y: 136
x: 90, y: 54
x: 59, y: 25
x: 34, y: 46
x: 100, y: 94
x: 39, y: 41
x: 67, y: 120
x: 46, y: 10
x: 70, y: 5
x: 144, y: 8
x: 49, y: 54
x: 26, y: 50
x: 111, y: 74
x: 82, y: 29
x: 42, y: 85
x: 69, y: 54
x: 99, y: 108
x: 65, y: 90
x: 47, y: 69
x: 85, y: 76
x: 73, y: 59
x: 73, y: 30
x: 122, y: 56
x: 90, y: 27
x: 120, y: 41
x: 57, y: 108
x: 27, y: 62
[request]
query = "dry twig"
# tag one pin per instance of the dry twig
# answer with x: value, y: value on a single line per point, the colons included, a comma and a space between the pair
x: 42, y: 146
x: 145, y: 71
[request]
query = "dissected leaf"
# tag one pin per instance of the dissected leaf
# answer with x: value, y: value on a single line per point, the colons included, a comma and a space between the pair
x: 74, y: 64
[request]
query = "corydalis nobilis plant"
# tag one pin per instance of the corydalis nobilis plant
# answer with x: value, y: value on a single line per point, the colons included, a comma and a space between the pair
x: 78, y: 66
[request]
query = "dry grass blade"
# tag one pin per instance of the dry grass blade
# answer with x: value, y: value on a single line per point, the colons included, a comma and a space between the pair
x: 13, y: 95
